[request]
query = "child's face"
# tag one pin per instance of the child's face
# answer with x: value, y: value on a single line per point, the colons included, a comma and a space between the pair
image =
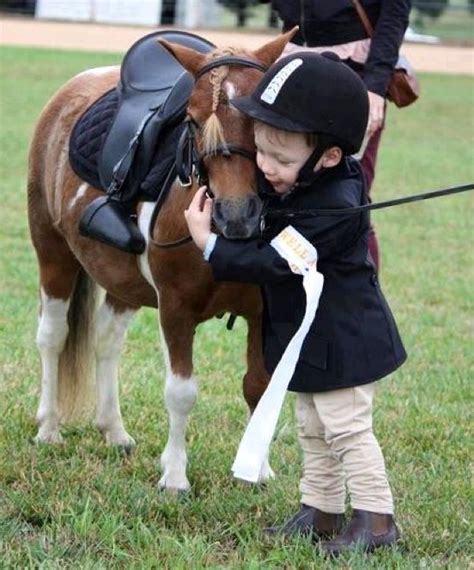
x: 280, y: 156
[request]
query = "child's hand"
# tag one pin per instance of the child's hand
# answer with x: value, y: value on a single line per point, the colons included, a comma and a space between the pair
x: 198, y: 218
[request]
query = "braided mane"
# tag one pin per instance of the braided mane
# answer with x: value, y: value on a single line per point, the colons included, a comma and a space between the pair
x: 213, y: 132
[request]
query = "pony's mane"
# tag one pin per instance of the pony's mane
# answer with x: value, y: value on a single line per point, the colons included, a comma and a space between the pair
x: 213, y: 132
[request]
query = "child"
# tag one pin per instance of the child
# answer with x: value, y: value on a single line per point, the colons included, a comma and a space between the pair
x: 311, y: 114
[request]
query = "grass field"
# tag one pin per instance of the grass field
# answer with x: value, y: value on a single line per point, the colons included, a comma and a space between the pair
x: 83, y: 505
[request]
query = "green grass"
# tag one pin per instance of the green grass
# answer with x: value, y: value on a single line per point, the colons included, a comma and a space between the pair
x: 86, y: 506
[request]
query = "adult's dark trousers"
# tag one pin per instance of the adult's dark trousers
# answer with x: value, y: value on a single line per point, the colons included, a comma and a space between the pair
x: 368, y: 162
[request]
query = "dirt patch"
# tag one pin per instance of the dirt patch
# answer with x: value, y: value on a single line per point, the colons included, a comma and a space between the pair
x: 93, y: 37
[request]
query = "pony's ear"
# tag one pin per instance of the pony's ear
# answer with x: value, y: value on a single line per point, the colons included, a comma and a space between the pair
x: 270, y: 52
x: 190, y: 59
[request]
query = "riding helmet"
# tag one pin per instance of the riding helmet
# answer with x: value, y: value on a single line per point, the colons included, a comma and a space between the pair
x: 311, y: 93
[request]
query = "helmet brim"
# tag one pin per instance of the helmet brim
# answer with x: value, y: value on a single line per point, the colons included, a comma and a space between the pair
x: 249, y: 106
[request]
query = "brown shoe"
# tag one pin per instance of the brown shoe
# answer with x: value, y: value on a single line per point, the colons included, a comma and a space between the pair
x: 308, y: 521
x: 366, y: 531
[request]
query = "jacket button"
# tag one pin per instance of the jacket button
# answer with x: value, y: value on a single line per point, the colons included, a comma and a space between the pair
x: 373, y: 279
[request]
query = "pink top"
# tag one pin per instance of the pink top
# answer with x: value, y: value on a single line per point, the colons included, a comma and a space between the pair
x: 357, y: 51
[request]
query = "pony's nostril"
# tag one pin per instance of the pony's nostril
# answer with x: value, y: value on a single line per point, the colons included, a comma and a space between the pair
x: 252, y: 208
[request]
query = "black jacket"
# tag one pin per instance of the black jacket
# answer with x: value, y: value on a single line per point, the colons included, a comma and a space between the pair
x: 353, y: 339
x: 334, y: 22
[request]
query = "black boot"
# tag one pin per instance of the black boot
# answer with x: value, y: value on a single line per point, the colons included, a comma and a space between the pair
x: 366, y: 531
x: 108, y: 221
x: 308, y: 521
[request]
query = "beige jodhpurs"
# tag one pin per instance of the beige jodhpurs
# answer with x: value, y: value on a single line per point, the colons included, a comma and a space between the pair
x: 335, y: 433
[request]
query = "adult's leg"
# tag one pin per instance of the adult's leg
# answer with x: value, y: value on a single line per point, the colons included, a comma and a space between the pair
x: 368, y: 163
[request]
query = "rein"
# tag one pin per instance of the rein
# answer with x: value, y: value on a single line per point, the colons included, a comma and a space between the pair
x: 187, y: 157
x: 287, y: 213
x: 159, y: 202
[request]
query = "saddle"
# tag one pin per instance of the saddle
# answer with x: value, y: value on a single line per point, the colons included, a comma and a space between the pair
x: 117, y: 140
x: 125, y: 143
x: 154, y: 91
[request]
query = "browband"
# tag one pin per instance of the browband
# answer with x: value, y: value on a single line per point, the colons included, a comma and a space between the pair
x: 230, y: 60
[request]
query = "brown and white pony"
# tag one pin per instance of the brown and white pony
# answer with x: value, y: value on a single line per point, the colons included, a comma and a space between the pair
x: 76, y: 337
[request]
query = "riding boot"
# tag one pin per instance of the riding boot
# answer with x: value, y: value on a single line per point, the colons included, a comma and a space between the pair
x: 308, y: 521
x: 366, y: 531
x: 109, y: 221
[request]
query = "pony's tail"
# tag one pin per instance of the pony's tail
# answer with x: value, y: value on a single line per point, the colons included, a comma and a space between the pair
x: 76, y: 368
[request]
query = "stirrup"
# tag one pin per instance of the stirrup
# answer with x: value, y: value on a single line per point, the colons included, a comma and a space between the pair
x: 108, y: 221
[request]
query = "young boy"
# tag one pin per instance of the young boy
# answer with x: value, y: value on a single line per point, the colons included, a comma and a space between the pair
x: 311, y: 114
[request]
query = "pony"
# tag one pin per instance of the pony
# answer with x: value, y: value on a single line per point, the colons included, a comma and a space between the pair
x: 81, y: 332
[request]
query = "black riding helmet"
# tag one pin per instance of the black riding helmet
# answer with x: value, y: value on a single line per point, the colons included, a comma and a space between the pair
x: 312, y: 93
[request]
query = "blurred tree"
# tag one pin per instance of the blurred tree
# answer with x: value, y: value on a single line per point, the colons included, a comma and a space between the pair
x: 240, y: 7
x: 22, y: 6
x: 471, y: 6
x: 431, y: 8
x: 168, y: 12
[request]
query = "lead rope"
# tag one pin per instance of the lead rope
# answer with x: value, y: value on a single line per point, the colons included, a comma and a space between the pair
x: 287, y: 213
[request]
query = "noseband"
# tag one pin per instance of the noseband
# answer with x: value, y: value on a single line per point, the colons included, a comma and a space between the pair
x: 188, y: 159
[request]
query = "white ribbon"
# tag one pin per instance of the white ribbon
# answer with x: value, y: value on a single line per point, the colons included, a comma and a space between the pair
x: 254, y: 446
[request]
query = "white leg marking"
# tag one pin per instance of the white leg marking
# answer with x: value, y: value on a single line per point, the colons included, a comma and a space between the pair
x: 111, y: 329
x: 81, y: 192
x: 180, y: 396
x: 180, y: 393
x: 50, y: 338
x: 144, y: 220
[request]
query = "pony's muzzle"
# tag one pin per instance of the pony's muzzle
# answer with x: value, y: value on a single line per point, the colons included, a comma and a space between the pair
x: 238, y: 218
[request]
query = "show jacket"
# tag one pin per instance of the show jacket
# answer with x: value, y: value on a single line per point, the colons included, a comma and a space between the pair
x: 353, y: 339
x: 335, y: 22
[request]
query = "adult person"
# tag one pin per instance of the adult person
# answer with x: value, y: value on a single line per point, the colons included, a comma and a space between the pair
x: 336, y: 26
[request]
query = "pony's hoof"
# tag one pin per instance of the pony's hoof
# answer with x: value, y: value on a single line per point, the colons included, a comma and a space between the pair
x: 126, y: 450
x: 120, y: 439
x: 48, y: 437
x: 174, y: 486
x: 178, y: 494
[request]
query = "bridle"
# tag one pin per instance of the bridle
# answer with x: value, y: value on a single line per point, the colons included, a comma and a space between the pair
x: 189, y: 161
x: 187, y: 156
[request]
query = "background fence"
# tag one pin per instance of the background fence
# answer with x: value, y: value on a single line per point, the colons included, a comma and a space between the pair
x: 450, y: 20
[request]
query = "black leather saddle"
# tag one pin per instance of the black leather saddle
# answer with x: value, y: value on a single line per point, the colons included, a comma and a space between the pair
x: 127, y: 139
x: 154, y: 90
